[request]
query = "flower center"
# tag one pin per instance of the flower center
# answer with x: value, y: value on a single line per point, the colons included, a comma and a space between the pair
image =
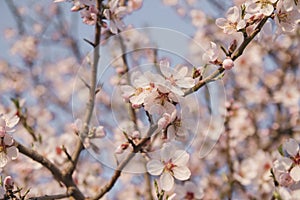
x: 189, y: 196
x: 169, y: 166
x: 296, y: 159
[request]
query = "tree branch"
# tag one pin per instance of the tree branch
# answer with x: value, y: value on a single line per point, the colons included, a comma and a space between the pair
x: 121, y: 166
x: 50, y: 197
x: 68, y: 182
x: 92, y: 93
x: 233, y: 56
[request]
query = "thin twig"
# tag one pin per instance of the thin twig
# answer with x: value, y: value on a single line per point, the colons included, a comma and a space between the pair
x: 16, y: 15
x: 92, y: 93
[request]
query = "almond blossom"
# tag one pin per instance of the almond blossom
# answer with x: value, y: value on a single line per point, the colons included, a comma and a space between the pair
x: 137, y: 93
x: 234, y: 21
x: 89, y: 15
x: 290, y: 5
x: 176, y: 78
x: 172, y: 164
x: 114, y: 13
x: 261, y: 6
x: 290, y: 163
x: 286, y: 20
x: 7, y: 150
x: 7, y: 123
x: 211, y: 54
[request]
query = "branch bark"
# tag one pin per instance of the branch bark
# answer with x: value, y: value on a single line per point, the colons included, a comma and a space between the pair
x: 56, y: 172
x: 92, y: 93
x: 106, y: 188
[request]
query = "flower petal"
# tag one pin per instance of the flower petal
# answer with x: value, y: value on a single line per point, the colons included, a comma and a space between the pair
x: 166, y: 181
x: 8, y: 140
x: 12, y: 152
x: 295, y: 173
x: 180, y: 158
x: 165, y: 68
x: 155, y: 167
x: 13, y: 121
x: 166, y: 152
x: 291, y: 146
x: 181, y: 173
x: 3, y: 159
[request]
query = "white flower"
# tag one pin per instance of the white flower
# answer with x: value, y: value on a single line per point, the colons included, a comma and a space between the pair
x: 290, y: 5
x: 291, y: 163
x: 286, y: 20
x: 7, y: 123
x: 7, y: 150
x: 211, y: 54
x: 172, y: 164
x: 89, y: 15
x: 114, y: 14
x: 233, y: 23
x: 261, y: 6
x: 141, y: 88
x: 176, y: 78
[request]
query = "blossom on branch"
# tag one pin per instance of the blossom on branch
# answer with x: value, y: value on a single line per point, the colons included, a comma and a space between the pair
x: 89, y: 15
x: 114, y: 15
x: 234, y: 21
x: 287, y: 168
x: 7, y: 150
x: 265, y: 7
x: 172, y: 164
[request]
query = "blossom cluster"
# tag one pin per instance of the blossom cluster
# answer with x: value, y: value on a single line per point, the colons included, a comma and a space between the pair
x: 243, y: 19
x: 263, y: 84
x: 286, y: 169
x: 7, y: 148
x: 159, y: 94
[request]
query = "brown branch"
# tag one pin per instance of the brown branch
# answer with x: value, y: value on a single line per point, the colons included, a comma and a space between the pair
x: 92, y: 93
x: 121, y: 166
x: 234, y: 56
x: 56, y: 172
x: 148, y: 189
x: 131, y: 110
x: 50, y: 197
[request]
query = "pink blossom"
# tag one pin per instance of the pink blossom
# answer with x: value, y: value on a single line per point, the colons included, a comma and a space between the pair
x: 7, y: 123
x: 114, y: 14
x: 7, y: 150
x: 211, y: 54
x: 89, y: 16
x: 286, y: 20
x: 261, y: 6
x: 233, y: 23
x: 172, y: 164
x: 176, y: 78
x: 291, y: 163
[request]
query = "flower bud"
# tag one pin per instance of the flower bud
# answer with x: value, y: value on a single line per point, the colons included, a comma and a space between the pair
x: 228, y: 64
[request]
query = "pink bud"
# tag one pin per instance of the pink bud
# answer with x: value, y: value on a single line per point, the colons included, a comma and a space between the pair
x: 227, y: 64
